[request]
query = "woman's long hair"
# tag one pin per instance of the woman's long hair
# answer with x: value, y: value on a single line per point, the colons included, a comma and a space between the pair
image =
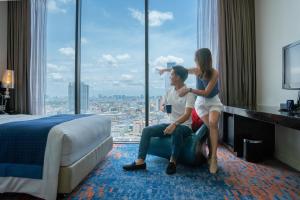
x: 204, y: 60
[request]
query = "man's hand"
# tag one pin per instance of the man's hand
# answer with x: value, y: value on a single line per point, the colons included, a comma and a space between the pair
x: 183, y: 91
x: 162, y: 108
x: 170, y: 129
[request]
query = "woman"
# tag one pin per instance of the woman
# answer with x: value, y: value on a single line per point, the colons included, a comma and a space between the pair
x: 208, y: 105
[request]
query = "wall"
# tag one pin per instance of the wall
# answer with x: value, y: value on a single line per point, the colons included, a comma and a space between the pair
x: 3, y: 37
x: 277, y: 24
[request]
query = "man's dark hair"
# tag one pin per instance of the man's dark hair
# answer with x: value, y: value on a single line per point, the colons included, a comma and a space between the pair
x: 181, y: 72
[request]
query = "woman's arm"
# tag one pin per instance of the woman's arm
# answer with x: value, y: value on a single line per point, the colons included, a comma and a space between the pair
x: 163, y: 70
x: 204, y: 92
x: 193, y: 70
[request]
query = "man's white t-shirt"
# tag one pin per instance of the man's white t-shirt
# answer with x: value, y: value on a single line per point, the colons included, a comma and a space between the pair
x: 179, y: 104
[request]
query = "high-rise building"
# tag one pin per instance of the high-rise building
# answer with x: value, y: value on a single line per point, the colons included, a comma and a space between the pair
x: 138, y: 126
x: 157, y: 103
x: 84, y: 97
x: 167, y: 75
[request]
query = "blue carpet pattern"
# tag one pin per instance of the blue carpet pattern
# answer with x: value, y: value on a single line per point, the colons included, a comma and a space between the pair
x: 236, y: 179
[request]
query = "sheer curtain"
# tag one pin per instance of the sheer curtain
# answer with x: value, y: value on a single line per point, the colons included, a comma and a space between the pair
x: 38, y: 56
x: 207, y: 27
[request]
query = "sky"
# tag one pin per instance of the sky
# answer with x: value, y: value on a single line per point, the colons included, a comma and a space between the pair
x: 112, y: 44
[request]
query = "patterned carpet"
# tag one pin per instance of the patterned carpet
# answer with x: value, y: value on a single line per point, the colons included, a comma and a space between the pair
x: 236, y: 179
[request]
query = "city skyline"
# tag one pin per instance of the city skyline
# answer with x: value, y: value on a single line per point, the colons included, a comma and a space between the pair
x: 127, y: 113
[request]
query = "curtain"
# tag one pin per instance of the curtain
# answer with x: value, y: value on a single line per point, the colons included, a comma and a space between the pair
x: 3, y: 38
x: 237, y: 62
x: 18, y: 53
x: 26, y: 54
x: 38, y: 56
x: 207, y: 27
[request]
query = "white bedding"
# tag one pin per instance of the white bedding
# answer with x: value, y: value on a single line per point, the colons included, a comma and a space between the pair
x: 66, y: 143
x: 77, y: 143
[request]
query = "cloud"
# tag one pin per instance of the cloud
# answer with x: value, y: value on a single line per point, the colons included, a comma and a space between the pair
x: 116, y: 83
x: 127, y: 77
x: 134, y: 71
x: 156, y: 18
x: 84, y: 40
x: 56, y: 76
x: 123, y: 56
x: 66, y: 1
x: 52, y: 66
x: 67, y: 51
x: 53, y: 7
x: 113, y: 61
x: 138, y: 15
x: 130, y: 80
x: 109, y: 59
x: 295, y: 70
x: 163, y: 60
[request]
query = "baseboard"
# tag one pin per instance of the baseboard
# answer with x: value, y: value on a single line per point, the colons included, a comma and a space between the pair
x: 294, y: 163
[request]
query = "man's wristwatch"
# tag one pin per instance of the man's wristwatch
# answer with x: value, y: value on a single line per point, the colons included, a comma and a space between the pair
x: 190, y: 89
x: 176, y: 123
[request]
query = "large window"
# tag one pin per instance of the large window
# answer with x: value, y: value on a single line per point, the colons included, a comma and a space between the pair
x: 112, y: 64
x: 60, y: 57
x: 172, y: 41
x: 113, y: 49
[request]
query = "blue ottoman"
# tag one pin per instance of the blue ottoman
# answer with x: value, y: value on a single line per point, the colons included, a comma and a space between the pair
x: 192, y: 150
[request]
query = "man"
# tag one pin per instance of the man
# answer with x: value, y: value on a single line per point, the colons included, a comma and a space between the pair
x: 179, y: 126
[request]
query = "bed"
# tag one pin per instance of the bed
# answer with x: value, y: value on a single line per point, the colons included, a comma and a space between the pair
x: 73, y: 146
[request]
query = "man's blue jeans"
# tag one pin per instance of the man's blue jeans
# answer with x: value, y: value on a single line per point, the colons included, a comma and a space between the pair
x: 178, y: 136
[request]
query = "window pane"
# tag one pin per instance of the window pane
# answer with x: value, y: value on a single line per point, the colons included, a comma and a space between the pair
x: 112, y: 69
x: 172, y: 40
x: 60, y: 57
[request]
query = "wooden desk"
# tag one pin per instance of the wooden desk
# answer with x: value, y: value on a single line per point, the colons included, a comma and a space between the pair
x: 254, y: 123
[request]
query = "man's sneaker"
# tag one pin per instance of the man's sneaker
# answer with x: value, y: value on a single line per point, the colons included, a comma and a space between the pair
x: 134, y: 166
x: 171, y: 168
x: 213, y: 165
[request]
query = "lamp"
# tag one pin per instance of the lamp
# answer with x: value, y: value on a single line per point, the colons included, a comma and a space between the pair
x: 8, y: 81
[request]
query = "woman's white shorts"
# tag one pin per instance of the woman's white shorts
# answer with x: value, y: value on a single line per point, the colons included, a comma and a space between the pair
x: 205, y: 105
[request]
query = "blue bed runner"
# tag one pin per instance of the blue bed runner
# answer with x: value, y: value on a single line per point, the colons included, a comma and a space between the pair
x: 23, y: 145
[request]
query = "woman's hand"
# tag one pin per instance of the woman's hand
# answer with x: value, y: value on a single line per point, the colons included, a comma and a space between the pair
x: 170, y: 129
x: 183, y: 91
x: 161, y: 71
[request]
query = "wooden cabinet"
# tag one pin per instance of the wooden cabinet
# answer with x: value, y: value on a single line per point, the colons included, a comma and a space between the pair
x: 254, y: 124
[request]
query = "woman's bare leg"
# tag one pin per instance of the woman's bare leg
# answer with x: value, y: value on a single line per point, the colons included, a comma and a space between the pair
x: 213, y: 133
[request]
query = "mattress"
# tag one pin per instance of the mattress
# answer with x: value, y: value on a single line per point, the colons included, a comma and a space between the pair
x: 79, y: 139
x: 93, y: 131
x: 74, y: 140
